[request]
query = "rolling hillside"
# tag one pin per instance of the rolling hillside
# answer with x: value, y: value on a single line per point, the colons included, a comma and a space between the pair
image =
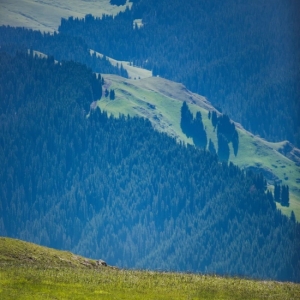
x: 118, y: 189
x: 137, y: 97
x: 46, y: 15
x: 160, y: 100
x: 31, y: 271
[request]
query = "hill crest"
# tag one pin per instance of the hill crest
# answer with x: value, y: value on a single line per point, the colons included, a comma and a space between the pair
x: 18, y: 252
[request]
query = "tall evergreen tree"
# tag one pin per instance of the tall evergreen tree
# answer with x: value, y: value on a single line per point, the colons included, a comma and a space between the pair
x: 277, y: 193
x: 112, y: 94
x: 223, y: 148
x: 214, y: 119
x: 186, y: 120
x: 211, y: 147
x: 235, y: 142
x: 285, y: 198
x: 198, y: 132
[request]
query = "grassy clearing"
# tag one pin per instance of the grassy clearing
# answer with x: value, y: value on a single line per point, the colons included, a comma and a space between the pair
x: 45, y: 15
x: 48, y: 277
x: 66, y: 283
x: 160, y: 100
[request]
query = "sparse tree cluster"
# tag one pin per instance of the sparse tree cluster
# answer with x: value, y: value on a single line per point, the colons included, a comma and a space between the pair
x: 193, y: 127
x: 188, y: 43
x: 281, y: 194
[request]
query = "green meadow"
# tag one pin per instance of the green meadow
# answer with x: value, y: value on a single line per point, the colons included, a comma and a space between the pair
x: 28, y: 271
x: 160, y: 100
x: 46, y: 15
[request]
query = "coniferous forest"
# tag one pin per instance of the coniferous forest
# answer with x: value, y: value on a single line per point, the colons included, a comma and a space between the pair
x: 114, y: 188
x: 243, y: 56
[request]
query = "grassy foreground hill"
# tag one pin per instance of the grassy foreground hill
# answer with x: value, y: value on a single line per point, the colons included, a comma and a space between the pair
x: 160, y: 100
x: 29, y: 271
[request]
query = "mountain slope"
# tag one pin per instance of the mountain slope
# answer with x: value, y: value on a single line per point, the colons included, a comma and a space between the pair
x: 118, y: 189
x: 31, y: 271
x: 21, y: 253
x: 160, y: 100
x: 46, y: 15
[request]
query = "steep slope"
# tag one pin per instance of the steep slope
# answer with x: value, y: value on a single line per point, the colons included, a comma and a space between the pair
x: 160, y: 100
x: 31, y: 271
x: 21, y: 253
x: 117, y: 189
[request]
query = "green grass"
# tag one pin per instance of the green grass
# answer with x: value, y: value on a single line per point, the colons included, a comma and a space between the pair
x: 135, y: 97
x: 47, y: 277
x: 46, y: 15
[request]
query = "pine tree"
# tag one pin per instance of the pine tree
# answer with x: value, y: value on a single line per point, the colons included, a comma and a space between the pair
x: 285, y: 198
x: 112, y: 95
x: 214, y: 119
x: 277, y: 193
x: 186, y: 120
x: 223, y: 148
x: 235, y: 142
x: 198, y: 132
x: 211, y: 147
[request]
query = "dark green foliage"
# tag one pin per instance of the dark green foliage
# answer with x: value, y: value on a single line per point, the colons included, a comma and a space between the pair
x: 293, y: 218
x: 186, y: 120
x: 214, y: 119
x: 227, y: 129
x: 112, y: 95
x: 118, y: 190
x: 235, y: 142
x: 60, y: 46
x: 281, y: 194
x: 242, y: 55
x: 117, y: 2
x: 211, y: 147
x: 193, y: 127
x: 277, y: 192
x: 223, y: 148
x: 285, y: 198
x: 198, y: 132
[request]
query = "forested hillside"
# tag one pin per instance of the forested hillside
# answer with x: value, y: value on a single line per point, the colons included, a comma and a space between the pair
x: 118, y: 190
x: 243, y: 56
x: 60, y: 46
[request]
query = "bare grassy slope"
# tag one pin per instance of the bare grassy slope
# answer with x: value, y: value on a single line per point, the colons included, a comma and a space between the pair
x: 22, y: 253
x: 160, y: 100
x: 28, y: 271
x: 45, y: 15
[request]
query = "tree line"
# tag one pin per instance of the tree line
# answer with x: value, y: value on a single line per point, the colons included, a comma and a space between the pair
x: 114, y: 188
x: 226, y: 132
x: 242, y: 56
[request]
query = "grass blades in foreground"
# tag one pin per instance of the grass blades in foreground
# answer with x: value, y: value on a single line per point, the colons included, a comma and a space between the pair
x: 30, y: 282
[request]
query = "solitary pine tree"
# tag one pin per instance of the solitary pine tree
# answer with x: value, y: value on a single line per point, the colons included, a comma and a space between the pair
x: 223, y: 148
x: 277, y: 193
x: 235, y: 142
x: 112, y: 95
x: 214, y: 119
x: 186, y: 120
